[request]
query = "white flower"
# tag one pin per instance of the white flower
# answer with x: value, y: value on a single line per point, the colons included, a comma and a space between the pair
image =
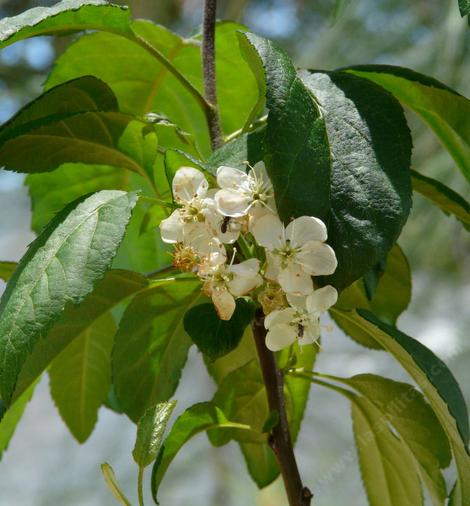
x: 295, y: 253
x: 299, y: 322
x: 224, y: 283
x: 240, y: 192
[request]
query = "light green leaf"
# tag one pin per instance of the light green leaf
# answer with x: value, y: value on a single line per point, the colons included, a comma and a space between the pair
x: 62, y: 265
x: 196, y: 419
x: 370, y: 180
x: 450, y: 202
x: 213, y: 336
x: 7, y: 269
x: 63, y: 18
x: 10, y: 419
x: 110, y: 479
x: 150, y: 431
x: 151, y: 346
x: 438, y: 385
x: 444, y: 110
x: 80, y: 377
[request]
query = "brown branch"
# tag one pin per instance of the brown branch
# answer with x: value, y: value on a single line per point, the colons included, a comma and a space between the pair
x: 280, y: 439
x: 208, y: 70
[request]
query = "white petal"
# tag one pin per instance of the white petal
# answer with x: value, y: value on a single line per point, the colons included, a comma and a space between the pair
x: 229, y: 177
x: 189, y: 183
x: 171, y: 228
x: 230, y: 202
x: 311, y: 334
x: 322, y: 299
x: 245, y: 277
x: 297, y: 301
x: 304, y: 229
x: 272, y: 267
x: 224, y: 303
x: 261, y: 174
x: 317, y: 258
x: 280, y: 336
x: 295, y: 280
x: 269, y: 232
x: 279, y: 316
x: 215, y: 222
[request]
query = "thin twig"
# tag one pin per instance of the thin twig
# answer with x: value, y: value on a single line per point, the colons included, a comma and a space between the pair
x: 280, y: 439
x: 208, y: 70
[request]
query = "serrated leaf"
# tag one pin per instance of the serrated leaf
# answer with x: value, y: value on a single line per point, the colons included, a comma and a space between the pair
x: 391, y: 298
x: 444, y: 110
x: 62, y: 265
x: 388, y: 473
x: 438, y: 385
x: 196, y: 419
x: 7, y: 269
x: 151, y: 346
x: 11, y: 418
x: 464, y: 6
x: 213, y: 336
x: 449, y: 201
x: 113, y: 289
x: 62, y: 18
x: 370, y: 181
x: 150, y: 431
x: 296, y: 150
x: 110, y: 479
x: 80, y: 377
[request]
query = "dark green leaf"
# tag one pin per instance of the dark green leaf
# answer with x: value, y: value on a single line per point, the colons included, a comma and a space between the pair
x: 11, y: 418
x: 63, y: 18
x: 150, y: 430
x: 371, y: 184
x: 444, y: 110
x: 213, y: 336
x: 80, y: 377
x: 296, y: 148
x: 151, y: 346
x: 446, y: 199
x: 196, y: 419
x: 61, y: 265
x: 464, y: 6
x: 7, y: 269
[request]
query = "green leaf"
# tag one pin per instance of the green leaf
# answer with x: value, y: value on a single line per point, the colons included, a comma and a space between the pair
x: 450, y: 202
x: 438, y: 385
x: 113, y: 289
x: 61, y: 265
x: 80, y: 377
x: 110, y: 479
x: 391, y: 298
x: 296, y: 145
x: 213, y: 336
x: 52, y: 191
x: 10, y: 419
x: 196, y: 419
x: 7, y: 269
x: 444, y: 110
x: 150, y: 430
x: 464, y: 6
x: 388, y: 472
x: 151, y: 346
x: 370, y: 182
x: 63, y: 18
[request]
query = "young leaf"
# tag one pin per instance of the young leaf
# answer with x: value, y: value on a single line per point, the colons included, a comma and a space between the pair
x: 151, y: 346
x: 80, y: 377
x: 296, y: 144
x: 110, y: 479
x: 444, y: 110
x: 113, y: 289
x: 150, y: 430
x: 370, y: 181
x: 7, y: 269
x: 450, y: 202
x: 63, y: 18
x: 61, y: 265
x: 10, y: 419
x: 196, y: 419
x: 214, y: 337
x: 438, y: 385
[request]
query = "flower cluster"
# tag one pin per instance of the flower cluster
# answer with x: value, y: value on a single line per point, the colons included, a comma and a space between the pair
x: 233, y: 239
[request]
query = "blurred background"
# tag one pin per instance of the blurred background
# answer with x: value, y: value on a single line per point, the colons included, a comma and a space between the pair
x: 44, y: 466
